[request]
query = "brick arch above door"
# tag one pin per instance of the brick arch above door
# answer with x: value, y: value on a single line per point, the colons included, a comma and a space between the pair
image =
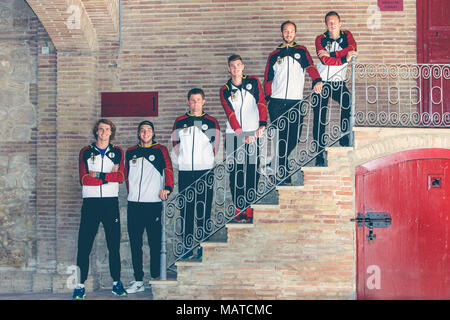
x: 372, y: 143
x: 79, y: 26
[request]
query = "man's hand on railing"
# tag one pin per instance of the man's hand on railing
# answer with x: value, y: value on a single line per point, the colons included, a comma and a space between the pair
x: 163, y: 194
x: 318, y: 87
x: 351, y: 54
x: 259, y: 133
x: 250, y: 139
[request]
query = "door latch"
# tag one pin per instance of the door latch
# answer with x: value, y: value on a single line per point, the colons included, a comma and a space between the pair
x: 373, y: 220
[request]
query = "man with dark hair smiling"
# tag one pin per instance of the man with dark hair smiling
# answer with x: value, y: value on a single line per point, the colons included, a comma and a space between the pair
x: 284, y: 79
x: 149, y: 179
x: 101, y: 171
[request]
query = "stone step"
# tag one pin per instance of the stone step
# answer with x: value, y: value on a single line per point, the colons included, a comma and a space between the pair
x: 213, y: 244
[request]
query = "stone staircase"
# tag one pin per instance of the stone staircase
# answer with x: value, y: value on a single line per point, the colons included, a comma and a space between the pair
x: 301, y: 248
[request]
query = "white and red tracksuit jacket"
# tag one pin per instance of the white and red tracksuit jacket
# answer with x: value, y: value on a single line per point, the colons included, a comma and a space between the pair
x: 148, y: 170
x: 245, y: 106
x: 334, y: 67
x: 107, y: 185
x: 284, y: 77
x: 196, y: 141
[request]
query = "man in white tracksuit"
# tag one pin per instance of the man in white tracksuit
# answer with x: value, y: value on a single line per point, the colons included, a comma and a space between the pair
x: 243, y: 101
x: 195, y: 138
x: 149, y: 179
x: 284, y: 79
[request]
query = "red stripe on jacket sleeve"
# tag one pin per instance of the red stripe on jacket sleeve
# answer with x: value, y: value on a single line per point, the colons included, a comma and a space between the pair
x: 175, y: 138
x: 261, y: 103
x: 268, y: 76
x: 231, y: 116
x: 85, y: 178
x: 351, y: 45
x: 168, y: 170
x: 126, y: 167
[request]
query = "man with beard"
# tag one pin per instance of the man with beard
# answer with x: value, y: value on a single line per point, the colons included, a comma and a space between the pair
x: 284, y: 79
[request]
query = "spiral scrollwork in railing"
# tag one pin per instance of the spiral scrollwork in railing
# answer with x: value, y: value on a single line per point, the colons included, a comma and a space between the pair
x: 401, y: 95
x: 383, y: 95
x: 218, y: 182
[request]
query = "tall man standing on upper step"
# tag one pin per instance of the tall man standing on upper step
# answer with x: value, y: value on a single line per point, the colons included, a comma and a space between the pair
x: 284, y: 79
x: 335, y: 48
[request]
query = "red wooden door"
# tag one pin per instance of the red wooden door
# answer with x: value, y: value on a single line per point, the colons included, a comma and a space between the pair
x: 410, y: 258
x: 433, y: 47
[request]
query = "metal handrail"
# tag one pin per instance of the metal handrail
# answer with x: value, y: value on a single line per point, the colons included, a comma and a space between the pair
x: 362, y: 77
x: 223, y: 206
x: 402, y: 95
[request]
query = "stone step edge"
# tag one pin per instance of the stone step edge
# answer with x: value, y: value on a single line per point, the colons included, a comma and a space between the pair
x: 187, y: 263
x: 209, y: 244
x: 290, y: 188
x: 262, y: 206
x: 163, y: 282
x: 239, y: 225
x: 339, y: 149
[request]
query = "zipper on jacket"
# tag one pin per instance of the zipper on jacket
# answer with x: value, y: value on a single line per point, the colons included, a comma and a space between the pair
x: 328, y: 66
x: 287, y: 81
x: 242, y: 104
x: 140, y: 181
x: 193, y: 145
x: 101, y: 186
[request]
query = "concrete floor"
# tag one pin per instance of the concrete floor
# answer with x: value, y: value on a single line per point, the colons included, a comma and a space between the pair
x: 103, y: 294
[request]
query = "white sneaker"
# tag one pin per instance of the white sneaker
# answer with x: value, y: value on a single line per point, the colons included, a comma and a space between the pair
x: 136, y: 286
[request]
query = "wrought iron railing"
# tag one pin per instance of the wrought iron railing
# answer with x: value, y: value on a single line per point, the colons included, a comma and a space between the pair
x: 377, y: 95
x: 402, y: 95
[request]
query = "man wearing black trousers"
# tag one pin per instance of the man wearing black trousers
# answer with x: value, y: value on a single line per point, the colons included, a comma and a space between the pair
x: 149, y: 179
x: 335, y: 48
x: 242, y: 99
x: 101, y: 171
x: 195, y: 139
x: 284, y: 79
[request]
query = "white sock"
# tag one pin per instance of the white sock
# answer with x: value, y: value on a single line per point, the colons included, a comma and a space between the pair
x: 114, y: 283
x: 80, y: 286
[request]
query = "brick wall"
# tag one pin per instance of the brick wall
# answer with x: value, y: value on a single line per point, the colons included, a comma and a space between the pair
x: 173, y: 46
x: 304, y: 247
x: 169, y: 47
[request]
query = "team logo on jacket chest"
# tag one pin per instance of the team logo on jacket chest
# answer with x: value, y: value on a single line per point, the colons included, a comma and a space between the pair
x: 151, y: 158
x: 204, y: 127
x: 111, y: 155
x: 297, y: 56
x: 248, y: 86
x: 279, y: 60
